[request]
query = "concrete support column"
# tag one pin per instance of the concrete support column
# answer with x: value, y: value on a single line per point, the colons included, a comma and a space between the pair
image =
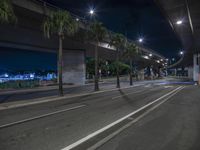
x: 141, y: 74
x: 196, y: 62
x: 74, y: 68
x: 190, y: 72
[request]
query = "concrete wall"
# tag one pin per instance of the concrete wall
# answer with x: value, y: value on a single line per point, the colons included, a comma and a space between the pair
x: 74, y: 68
x: 190, y: 72
x: 195, y: 67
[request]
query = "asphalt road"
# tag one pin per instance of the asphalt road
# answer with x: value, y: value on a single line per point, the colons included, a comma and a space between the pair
x: 165, y: 117
x: 173, y: 126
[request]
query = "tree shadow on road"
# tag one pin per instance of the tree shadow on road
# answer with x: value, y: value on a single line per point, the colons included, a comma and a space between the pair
x: 127, y: 99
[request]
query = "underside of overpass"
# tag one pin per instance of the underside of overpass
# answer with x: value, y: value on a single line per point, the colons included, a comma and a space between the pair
x: 187, y: 11
x: 183, y: 16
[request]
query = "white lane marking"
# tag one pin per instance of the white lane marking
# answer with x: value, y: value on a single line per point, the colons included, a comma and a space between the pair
x: 41, y: 116
x: 73, y: 145
x: 112, y: 135
x: 128, y: 94
x: 169, y: 86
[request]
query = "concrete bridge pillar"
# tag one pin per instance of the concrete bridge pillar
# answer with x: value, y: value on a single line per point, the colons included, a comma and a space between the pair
x: 141, y: 74
x: 74, y: 68
x: 196, y: 63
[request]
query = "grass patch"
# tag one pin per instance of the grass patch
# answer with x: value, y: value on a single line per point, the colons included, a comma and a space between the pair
x: 19, y: 84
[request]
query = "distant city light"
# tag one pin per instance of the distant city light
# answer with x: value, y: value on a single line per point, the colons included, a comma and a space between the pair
x: 161, y: 59
x: 6, y: 75
x: 32, y: 75
x: 150, y: 55
x: 179, y: 22
x: 77, y: 19
x: 158, y: 61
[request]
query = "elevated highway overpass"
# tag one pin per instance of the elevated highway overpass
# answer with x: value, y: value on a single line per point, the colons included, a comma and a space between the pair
x: 27, y: 34
x: 183, y: 16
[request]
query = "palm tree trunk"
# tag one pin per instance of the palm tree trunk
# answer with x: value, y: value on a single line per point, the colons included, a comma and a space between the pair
x: 96, y: 77
x: 117, y: 69
x: 60, y: 65
x: 131, y: 72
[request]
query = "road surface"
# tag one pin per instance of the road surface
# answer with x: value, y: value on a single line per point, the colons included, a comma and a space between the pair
x: 160, y: 117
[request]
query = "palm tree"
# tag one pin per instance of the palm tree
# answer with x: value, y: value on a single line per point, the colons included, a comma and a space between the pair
x: 60, y: 23
x: 97, y: 33
x: 131, y: 52
x: 6, y: 12
x: 118, y: 41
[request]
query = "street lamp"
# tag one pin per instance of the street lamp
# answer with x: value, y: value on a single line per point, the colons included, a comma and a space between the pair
x: 150, y: 55
x: 181, y: 52
x: 140, y: 40
x: 179, y: 22
x: 91, y: 12
x: 77, y: 19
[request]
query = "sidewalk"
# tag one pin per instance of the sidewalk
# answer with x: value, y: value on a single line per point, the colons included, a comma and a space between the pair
x: 89, y: 91
x: 36, y: 89
x: 52, y: 87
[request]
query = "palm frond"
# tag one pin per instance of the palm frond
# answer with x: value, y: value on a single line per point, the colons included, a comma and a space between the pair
x: 6, y: 12
x: 131, y: 50
x: 118, y: 41
x: 97, y: 31
x: 60, y: 22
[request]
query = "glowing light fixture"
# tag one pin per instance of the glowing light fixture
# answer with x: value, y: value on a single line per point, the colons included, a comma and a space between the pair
x: 145, y: 57
x: 181, y: 52
x: 91, y: 11
x: 179, y: 22
x: 140, y: 40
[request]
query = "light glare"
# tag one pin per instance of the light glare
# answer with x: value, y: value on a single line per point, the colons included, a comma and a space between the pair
x: 91, y: 11
x: 140, y: 40
x: 181, y: 52
x: 179, y: 22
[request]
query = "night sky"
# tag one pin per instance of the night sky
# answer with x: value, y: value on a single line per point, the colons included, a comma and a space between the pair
x: 134, y: 18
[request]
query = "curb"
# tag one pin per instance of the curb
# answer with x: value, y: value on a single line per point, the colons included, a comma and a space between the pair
x: 24, y: 103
